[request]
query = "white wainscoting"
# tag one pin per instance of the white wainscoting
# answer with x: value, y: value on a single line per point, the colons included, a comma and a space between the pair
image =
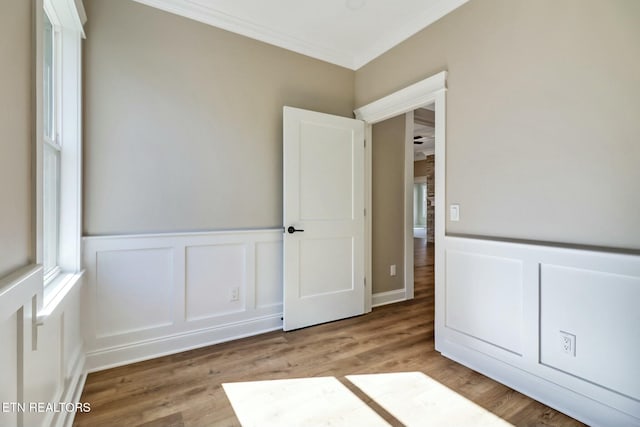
x: 501, y: 308
x: 151, y: 295
x: 42, y: 357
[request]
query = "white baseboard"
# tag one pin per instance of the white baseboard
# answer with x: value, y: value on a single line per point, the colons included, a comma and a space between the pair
x: 576, y: 405
x: 389, y: 297
x: 150, y: 349
x: 73, y: 389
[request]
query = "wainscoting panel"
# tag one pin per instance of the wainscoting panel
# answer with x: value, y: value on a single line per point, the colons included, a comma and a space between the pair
x: 608, y: 304
x: 215, y: 280
x: 506, y: 309
x: 475, y: 282
x: 41, y: 353
x: 268, y: 274
x: 133, y: 290
x: 151, y: 295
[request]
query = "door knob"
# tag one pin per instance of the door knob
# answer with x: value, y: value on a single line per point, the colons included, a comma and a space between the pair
x: 292, y: 229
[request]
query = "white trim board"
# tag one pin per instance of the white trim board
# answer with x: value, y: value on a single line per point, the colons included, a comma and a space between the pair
x: 72, y: 389
x: 431, y: 90
x: 582, y: 408
x: 408, y: 99
x: 46, y: 366
x: 208, y: 13
x: 18, y: 288
x: 389, y: 297
x: 388, y: 41
x: 238, y: 25
x: 107, y: 358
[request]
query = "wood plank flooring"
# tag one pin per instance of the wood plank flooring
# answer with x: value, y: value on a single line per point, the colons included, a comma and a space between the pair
x: 184, y: 390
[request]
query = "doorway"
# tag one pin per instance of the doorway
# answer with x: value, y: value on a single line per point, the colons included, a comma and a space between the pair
x: 403, y: 149
x: 430, y: 91
x: 423, y: 172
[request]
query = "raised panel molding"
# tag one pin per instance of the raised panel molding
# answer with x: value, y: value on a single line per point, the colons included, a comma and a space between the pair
x: 213, y: 274
x: 172, y: 292
x: 497, y: 292
x: 268, y: 274
x: 133, y: 290
x: 600, y: 334
x: 44, y: 362
x: 475, y: 282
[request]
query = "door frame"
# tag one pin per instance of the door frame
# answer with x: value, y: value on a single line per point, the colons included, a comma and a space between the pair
x: 431, y: 90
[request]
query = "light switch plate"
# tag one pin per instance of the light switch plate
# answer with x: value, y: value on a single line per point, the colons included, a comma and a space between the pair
x: 454, y: 212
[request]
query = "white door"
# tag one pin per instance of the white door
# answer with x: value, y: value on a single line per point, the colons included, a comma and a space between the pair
x: 323, y: 174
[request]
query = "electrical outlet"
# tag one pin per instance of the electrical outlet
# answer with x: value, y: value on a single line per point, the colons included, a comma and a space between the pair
x: 392, y: 270
x: 568, y: 343
x: 235, y: 294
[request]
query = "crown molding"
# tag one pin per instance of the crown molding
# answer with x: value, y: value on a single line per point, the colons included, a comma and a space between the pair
x: 209, y: 15
x: 234, y: 24
x: 391, y: 39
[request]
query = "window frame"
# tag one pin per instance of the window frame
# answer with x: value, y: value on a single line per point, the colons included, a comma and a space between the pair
x: 51, y: 143
x: 67, y: 18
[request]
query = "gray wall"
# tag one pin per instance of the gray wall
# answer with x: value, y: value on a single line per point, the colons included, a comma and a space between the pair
x: 16, y: 125
x: 183, y: 121
x: 388, y: 204
x: 543, y: 108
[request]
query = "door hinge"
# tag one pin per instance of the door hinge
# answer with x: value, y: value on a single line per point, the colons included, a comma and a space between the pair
x: 365, y: 282
x: 365, y: 143
x: 365, y: 211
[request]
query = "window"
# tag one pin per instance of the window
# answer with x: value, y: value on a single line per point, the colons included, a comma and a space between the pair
x: 58, y: 150
x: 51, y: 153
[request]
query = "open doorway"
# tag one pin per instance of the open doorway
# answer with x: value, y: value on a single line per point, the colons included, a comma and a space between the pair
x: 431, y: 90
x: 424, y: 200
x: 403, y: 203
x: 424, y: 173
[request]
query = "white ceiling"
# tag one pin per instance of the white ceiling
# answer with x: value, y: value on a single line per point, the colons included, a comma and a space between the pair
x: 349, y: 33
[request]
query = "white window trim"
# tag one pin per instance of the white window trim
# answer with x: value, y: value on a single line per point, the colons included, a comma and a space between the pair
x: 68, y: 18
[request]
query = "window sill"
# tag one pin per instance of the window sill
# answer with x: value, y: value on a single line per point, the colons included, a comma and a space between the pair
x: 56, y: 291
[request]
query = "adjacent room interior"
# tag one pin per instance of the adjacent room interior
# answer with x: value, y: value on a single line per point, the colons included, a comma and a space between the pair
x: 352, y: 212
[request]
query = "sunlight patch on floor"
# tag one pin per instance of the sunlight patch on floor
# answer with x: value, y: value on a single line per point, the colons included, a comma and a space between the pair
x: 417, y: 400
x: 412, y: 398
x: 322, y: 401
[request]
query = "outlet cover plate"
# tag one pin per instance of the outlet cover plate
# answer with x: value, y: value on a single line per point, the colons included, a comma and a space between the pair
x: 568, y: 343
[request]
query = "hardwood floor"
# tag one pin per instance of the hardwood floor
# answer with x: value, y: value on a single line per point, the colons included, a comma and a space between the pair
x: 184, y: 389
